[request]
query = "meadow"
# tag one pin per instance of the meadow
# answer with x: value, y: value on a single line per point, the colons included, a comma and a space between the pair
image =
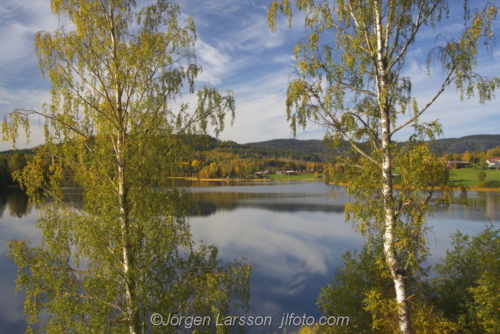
x: 464, y: 176
x: 468, y: 176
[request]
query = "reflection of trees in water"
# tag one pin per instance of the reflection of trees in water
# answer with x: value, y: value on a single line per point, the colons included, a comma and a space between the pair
x: 3, y: 202
x: 487, y: 203
x: 208, y: 203
x: 204, y: 203
x: 18, y: 203
x: 74, y: 196
x: 480, y: 205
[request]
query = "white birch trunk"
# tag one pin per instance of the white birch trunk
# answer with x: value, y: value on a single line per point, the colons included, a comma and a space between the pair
x: 397, y: 271
x: 120, y: 152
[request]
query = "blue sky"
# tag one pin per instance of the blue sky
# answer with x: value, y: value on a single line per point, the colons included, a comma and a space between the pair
x: 238, y: 52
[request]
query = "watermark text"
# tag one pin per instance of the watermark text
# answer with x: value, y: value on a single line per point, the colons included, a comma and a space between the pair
x: 288, y: 319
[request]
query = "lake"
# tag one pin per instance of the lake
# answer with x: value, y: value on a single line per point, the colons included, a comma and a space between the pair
x: 294, y: 233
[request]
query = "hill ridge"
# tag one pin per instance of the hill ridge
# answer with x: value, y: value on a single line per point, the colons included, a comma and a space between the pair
x: 481, y: 142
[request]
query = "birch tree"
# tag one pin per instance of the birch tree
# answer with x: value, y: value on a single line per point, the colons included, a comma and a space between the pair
x: 349, y: 77
x: 114, y: 127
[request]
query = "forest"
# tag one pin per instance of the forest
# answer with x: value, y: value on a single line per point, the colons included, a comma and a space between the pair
x: 212, y: 158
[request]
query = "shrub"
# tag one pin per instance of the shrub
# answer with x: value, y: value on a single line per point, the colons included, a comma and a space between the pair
x: 492, y: 184
x: 466, y: 284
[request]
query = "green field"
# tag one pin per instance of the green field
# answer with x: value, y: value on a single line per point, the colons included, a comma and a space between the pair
x: 468, y: 176
x: 305, y: 176
x: 463, y: 176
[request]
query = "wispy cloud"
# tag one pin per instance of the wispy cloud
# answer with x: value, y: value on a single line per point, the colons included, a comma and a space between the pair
x: 21, y: 85
x: 216, y: 64
x: 214, y: 7
x: 238, y: 51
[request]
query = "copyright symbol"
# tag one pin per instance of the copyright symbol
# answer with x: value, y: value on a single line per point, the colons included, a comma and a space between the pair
x: 156, y: 319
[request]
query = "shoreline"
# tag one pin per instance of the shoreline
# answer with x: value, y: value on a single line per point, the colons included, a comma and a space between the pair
x: 456, y: 188
x: 241, y: 180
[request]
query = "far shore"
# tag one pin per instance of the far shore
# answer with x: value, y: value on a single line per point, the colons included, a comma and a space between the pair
x: 457, y: 188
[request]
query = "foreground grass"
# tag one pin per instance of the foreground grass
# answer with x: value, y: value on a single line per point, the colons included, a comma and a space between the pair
x: 468, y: 176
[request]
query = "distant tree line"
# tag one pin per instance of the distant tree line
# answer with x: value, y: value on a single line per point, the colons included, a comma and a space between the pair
x: 9, y: 164
x: 476, y: 158
x: 220, y: 159
x: 223, y: 164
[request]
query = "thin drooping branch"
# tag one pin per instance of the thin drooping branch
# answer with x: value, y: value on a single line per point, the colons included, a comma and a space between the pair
x: 335, y: 122
x: 446, y: 82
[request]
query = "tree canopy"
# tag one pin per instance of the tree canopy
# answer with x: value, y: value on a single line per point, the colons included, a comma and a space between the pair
x: 116, y: 125
x: 350, y: 78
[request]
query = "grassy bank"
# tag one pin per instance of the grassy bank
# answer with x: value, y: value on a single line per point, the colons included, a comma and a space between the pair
x: 468, y: 176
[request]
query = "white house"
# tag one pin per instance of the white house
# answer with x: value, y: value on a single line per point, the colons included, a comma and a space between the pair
x: 493, y: 162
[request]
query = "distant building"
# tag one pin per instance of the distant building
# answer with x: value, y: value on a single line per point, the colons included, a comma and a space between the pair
x: 261, y: 174
x: 290, y: 172
x: 493, y: 162
x: 457, y: 164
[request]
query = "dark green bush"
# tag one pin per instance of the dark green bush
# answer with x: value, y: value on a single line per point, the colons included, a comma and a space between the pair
x: 492, y: 184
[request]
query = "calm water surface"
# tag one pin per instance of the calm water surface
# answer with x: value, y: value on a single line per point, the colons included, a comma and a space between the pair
x: 293, y: 232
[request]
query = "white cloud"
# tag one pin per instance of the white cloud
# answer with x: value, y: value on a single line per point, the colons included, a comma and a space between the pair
x: 285, y: 59
x: 217, y: 7
x: 18, y: 51
x: 237, y: 51
x: 252, y: 35
x: 11, y: 99
x: 216, y: 64
x: 21, y: 85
